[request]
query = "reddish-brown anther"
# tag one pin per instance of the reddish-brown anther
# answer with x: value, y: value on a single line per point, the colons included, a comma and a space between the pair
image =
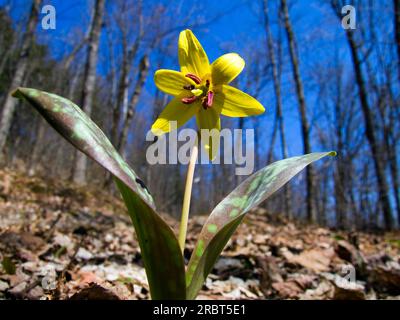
x: 195, y: 78
x: 189, y: 100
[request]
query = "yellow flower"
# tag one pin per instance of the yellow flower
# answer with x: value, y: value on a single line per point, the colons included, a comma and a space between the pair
x: 202, y: 89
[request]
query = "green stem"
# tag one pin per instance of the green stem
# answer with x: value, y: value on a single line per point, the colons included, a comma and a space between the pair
x: 187, y: 196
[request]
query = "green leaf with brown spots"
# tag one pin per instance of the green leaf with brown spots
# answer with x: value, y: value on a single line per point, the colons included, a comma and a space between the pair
x: 160, y: 250
x: 162, y: 256
x: 229, y: 213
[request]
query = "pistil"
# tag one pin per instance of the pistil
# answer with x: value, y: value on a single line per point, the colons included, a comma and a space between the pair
x: 208, y: 101
x: 197, y: 92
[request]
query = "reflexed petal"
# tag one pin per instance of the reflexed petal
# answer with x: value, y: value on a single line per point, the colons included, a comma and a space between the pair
x: 236, y: 103
x: 192, y: 57
x: 174, y: 111
x: 226, y: 68
x: 209, y: 119
x: 171, y: 82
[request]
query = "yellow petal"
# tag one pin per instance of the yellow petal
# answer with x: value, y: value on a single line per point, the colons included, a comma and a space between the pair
x: 174, y: 111
x: 171, y: 82
x: 192, y: 57
x: 236, y: 103
x: 209, y: 124
x: 226, y: 68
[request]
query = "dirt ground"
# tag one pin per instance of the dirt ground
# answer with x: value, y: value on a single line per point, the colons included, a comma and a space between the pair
x: 62, y: 242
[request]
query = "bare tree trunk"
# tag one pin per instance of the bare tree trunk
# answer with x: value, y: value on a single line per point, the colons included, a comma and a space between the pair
x: 278, y: 100
x: 122, y: 94
x: 396, y: 4
x: 340, y: 174
x: 123, y: 89
x: 270, y: 155
x: 128, y: 55
x: 390, y: 146
x: 89, y: 83
x: 6, y: 30
x: 6, y: 55
x: 37, y: 147
x: 18, y: 77
x: 386, y: 100
x: 143, y: 71
x: 383, y: 188
x: 305, y: 127
x: 323, y: 200
x: 68, y: 60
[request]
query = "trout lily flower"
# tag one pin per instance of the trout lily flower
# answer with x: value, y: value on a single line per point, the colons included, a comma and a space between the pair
x: 202, y: 90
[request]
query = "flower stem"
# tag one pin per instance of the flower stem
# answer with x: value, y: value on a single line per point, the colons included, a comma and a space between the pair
x: 187, y: 196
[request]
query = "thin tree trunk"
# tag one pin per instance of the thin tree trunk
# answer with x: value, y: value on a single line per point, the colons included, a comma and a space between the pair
x: 7, y: 49
x: 89, y: 83
x: 143, y: 71
x: 37, y: 147
x: 387, y: 100
x: 340, y: 174
x: 305, y: 127
x: 340, y: 199
x: 390, y: 145
x: 323, y: 200
x: 383, y: 188
x: 6, y: 55
x: 18, y: 77
x: 67, y: 62
x: 122, y: 94
x: 278, y: 101
x: 128, y: 54
x: 121, y: 107
x: 270, y: 156
x: 396, y: 5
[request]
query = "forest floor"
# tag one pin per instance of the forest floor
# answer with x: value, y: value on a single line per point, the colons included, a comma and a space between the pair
x: 62, y: 242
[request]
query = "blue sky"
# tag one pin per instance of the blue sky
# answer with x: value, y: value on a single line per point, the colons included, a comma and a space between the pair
x: 318, y: 32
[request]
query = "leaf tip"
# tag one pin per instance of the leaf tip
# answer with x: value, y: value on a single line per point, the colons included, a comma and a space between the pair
x: 332, y: 154
x: 16, y: 93
x: 22, y: 93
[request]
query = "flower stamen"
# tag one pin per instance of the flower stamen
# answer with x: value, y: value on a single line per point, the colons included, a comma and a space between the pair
x: 189, y: 100
x: 195, y: 78
x: 188, y: 87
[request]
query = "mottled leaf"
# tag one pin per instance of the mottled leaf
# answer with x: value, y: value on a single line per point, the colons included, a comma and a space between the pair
x: 163, y: 261
x: 159, y: 247
x: 228, y: 214
x: 78, y: 129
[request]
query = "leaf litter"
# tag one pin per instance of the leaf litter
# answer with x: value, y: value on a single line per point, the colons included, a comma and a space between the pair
x: 58, y: 241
